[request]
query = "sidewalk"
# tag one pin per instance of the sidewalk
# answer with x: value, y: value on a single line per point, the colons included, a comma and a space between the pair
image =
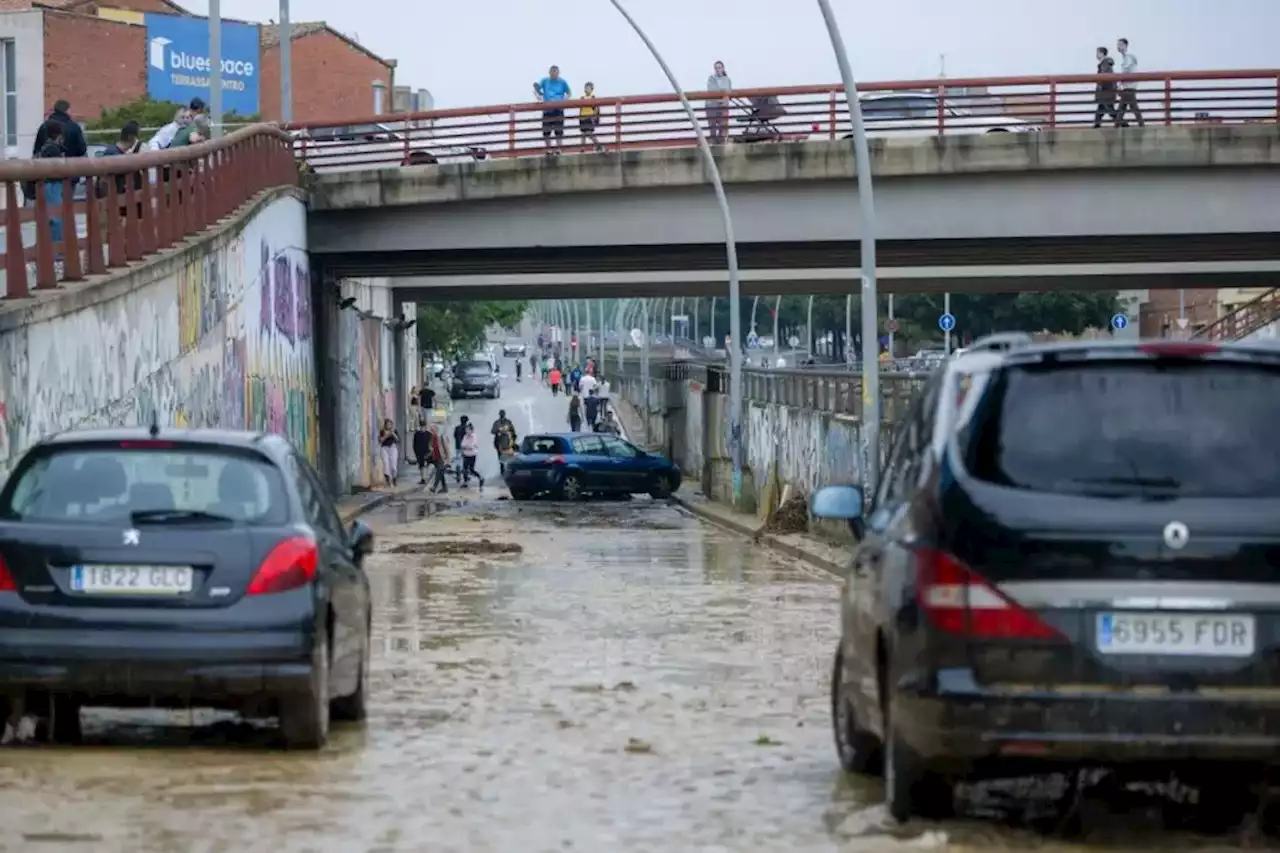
x: 828, y: 558
x: 352, y: 507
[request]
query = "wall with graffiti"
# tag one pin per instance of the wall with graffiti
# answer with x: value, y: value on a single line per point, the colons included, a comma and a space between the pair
x: 365, y: 379
x: 217, y: 335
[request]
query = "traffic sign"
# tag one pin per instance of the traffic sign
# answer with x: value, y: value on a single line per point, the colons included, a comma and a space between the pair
x: 1182, y: 323
x: 947, y: 322
x: 753, y: 340
x: 793, y: 341
x: 1119, y: 322
x: 708, y: 342
x: 891, y: 325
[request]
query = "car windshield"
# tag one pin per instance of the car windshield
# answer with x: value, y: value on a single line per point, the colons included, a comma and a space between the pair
x: 112, y: 483
x: 1132, y: 429
x: 475, y: 368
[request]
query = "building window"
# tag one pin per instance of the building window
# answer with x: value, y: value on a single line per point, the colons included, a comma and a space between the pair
x: 10, y: 92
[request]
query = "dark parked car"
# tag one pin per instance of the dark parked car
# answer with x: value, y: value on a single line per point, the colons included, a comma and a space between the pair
x: 574, y: 465
x: 1078, y: 564
x: 180, y: 568
x: 475, y: 377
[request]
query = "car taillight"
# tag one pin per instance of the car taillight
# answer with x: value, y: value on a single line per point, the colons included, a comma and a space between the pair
x: 555, y: 460
x: 291, y: 564
x: 7, y: 583
x: 959, y: 601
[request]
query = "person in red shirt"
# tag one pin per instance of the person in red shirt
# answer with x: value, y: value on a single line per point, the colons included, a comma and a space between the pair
x: 554, y: 378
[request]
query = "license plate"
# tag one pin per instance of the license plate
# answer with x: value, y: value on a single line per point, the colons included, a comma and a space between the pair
x: 1186, y: 634
x: 131, y: 580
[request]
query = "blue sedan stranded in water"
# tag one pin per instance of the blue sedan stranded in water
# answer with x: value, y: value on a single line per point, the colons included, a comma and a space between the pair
x: 572, y: 465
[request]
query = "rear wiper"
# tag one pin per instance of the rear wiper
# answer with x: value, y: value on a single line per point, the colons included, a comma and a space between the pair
x: 163, y: 516
x: 1141, y: 482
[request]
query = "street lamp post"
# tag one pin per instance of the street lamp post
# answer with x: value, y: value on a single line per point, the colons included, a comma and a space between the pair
x: 731, y: 253
x: 215, y: 68
x: 808, y: 327
x: 777, y: 310
x: 870, y: 337
x: 286, y: 63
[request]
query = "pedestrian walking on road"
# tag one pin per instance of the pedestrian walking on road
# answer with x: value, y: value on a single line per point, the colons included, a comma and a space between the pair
x: 504, y: 439
x: 421, y: 440
x: 553, y: 378
x: 575, y: 413
x: 389, y: 442
x: 438, y: 456
x: 575, y: 376
x: 592, y: 406
x: 470, y: 450
x: 459, y: 433
x: 1105, y: 95
x: 1128, y: 87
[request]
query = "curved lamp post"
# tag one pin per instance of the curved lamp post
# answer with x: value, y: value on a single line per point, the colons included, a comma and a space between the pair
x: 870, y: 332
x: 731, y: 252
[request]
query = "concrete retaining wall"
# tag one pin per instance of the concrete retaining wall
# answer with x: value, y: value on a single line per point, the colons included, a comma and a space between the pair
x: 223, y: 331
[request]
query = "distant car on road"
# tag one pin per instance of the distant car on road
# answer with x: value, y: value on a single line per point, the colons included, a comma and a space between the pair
x: 1071, y: 559
x: 571, y: 466
x: 514, y: 347
x: 917, y: 114
x: 375, y: 146
x: 180, y: 568
x: 477, y: 378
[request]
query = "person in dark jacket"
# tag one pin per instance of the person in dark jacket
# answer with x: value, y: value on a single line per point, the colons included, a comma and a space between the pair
x: 1105, y: 94
x: 73, y: 142
x: 128, y: 143
x: 51, y: 148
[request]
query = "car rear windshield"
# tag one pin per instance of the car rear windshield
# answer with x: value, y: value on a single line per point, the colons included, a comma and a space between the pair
x: 106, y: 484
x: 540, y: 444
x: 1126, y: 429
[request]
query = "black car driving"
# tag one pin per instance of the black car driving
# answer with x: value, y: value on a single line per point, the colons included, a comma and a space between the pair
x: 175, y: 568
x: 475, y: 378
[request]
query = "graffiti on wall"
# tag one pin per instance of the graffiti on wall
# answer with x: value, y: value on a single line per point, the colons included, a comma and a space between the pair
x: 223, y: 341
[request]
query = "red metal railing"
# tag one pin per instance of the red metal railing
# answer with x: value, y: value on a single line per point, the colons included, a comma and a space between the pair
x: 116, y: 210
x: 1244, y: 319
x: 918, y: 107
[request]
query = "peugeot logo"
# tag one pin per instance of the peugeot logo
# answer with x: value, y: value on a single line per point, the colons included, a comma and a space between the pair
x: 1176, y: 535
x: 131, y: 536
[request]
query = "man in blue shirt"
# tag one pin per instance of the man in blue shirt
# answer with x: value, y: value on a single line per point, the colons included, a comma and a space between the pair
x: 551, y: 89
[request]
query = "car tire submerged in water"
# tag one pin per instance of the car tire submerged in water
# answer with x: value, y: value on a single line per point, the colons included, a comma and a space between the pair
x: 662, y: 487
x: 304, y: 717
x: 859, y: 751
x: 910, y: 788
x: 355, y: 707
x: 571, y: 487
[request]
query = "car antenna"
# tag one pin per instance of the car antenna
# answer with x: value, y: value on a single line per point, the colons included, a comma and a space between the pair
x: 154, y: 430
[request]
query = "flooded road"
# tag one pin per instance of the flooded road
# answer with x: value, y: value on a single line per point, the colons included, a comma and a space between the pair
x: 603, y: 677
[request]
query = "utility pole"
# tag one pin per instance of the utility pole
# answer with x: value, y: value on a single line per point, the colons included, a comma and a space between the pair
x: 286, y: 64
x: 215, y: 68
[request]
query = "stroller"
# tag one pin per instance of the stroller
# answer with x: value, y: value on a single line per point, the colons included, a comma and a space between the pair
x: 759, y: 119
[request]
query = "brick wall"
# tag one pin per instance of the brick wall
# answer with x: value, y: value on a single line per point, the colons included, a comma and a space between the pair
x: 1158, y: 316
x: 92, y: 62
x: 331, y: 79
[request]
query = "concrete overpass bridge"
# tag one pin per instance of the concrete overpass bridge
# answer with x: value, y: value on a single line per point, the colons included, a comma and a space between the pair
x: 1071, y: 209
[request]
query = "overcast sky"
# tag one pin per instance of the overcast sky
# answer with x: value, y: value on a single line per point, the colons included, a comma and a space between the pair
x: 490, y: 52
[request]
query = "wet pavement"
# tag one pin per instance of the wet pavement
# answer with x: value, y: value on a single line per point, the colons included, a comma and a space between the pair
x: 546, y: 676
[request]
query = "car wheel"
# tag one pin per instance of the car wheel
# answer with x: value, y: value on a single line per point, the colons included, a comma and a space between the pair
x: 304, y: 717
x: 59, y: 719
x: 910, y: 788
x: 859, y: 750
x: 571, y: 487
x: 998, y: 130
x: 354, y: 708
x: 662, y: 487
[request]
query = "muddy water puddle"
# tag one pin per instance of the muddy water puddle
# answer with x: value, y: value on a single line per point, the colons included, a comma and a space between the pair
x: 611, y: 677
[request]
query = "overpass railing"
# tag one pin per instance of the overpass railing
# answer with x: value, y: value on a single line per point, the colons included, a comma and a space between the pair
x: 69, y: 218
x: 903, y: 108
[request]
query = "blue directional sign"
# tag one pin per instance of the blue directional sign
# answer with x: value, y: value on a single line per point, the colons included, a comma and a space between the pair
x: 947, y: 322
x: 1119, y: 321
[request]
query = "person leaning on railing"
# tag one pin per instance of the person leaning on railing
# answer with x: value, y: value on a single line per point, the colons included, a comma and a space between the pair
x: 128, y: 143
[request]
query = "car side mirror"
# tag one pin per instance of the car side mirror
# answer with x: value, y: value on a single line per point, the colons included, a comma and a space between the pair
x: 360, y: 539
x: 840, y: 502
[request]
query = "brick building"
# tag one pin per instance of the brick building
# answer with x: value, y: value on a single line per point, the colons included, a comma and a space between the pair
x: 93, y: 53
x: 333, y: 75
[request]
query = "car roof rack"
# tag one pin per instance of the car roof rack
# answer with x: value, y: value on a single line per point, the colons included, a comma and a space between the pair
x: 1000, y: 342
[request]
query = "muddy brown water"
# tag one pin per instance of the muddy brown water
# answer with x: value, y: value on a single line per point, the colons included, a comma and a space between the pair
x: 599, y: 678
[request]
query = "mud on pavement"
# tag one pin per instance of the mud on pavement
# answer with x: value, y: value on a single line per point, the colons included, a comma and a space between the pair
x: 603, y: 677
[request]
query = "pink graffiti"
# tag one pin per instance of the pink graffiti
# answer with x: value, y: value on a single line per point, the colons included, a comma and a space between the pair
x: 276, y: 417
x: 264, y: 316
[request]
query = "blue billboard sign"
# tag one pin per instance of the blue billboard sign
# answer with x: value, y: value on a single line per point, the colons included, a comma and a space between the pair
x: 178, y: 61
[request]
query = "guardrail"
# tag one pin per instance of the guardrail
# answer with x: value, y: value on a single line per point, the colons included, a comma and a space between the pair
x: 1245, y: 319
x: 92, y: 214
x: 902, y: 108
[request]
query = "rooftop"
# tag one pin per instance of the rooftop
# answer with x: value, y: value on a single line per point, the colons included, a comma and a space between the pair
x: 270, y: 35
